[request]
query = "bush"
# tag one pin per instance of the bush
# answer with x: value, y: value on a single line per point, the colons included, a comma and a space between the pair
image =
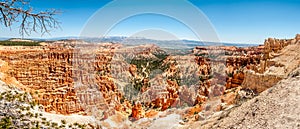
x: 5, y: 123
x: 63, y: 121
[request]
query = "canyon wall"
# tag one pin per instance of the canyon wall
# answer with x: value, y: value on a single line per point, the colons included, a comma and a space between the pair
x: 49, y: 72
x: 45, y: 70
x: 259, y: 82
x: 279, y: 58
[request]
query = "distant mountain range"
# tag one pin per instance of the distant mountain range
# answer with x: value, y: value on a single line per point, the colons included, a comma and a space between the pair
x: 180, y: 44
x: 1, y: 39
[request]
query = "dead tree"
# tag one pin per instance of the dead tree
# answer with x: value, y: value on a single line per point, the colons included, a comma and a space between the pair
x: 20, y: 12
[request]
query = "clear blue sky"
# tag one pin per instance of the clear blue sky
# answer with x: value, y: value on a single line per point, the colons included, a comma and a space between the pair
x: 239, y: 21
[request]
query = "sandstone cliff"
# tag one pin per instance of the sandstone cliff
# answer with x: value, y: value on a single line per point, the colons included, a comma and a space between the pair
x: 280, y: 58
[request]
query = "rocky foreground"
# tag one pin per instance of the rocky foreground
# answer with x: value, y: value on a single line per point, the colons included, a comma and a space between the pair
x: 278, y: 107
x: 65, y: 84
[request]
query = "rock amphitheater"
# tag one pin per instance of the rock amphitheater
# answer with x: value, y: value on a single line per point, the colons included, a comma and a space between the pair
x: 65, y: 80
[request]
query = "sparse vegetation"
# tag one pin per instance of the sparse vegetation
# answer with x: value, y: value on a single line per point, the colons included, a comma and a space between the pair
x: 144, y: 70
x: 19, y: 43
x: 201, y: 78
x: 63, y: 121
x: 230, y: 74
x: 16, y: 112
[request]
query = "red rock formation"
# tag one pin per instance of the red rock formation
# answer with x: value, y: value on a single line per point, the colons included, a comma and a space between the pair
x: 50, y: 70
x: 137, y: 112
x: 263, y: 78
x: 70, y: 81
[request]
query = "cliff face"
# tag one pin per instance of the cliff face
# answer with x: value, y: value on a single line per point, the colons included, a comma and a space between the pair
x: 279, y: 59
x: 46, y: 71
x: 50, y: 72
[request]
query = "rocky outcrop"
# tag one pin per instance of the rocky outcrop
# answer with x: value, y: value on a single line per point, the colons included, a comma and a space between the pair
x: 238, y: 61
x: 272, y: 49
x: 280, y: 58
x: 259, y: 82
x: 276, y: 107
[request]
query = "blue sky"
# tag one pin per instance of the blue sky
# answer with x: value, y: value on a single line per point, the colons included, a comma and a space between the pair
x: 238, y: 21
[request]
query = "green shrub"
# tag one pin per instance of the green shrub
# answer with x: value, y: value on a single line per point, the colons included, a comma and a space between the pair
x: 5, y: 123
x: 63, y: 121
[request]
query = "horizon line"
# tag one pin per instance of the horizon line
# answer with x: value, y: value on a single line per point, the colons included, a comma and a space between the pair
x: 78, y: 37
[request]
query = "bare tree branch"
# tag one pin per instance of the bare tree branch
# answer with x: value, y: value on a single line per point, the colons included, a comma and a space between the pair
x: 19, y: 11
